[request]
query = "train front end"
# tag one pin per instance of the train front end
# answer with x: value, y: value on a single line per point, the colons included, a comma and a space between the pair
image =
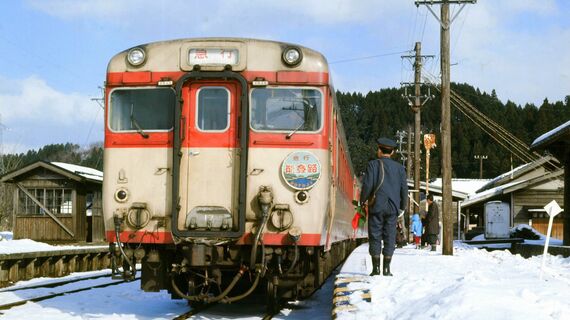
x: 219, y: 161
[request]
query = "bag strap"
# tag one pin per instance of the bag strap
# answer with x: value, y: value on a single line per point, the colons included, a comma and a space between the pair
x: 382, y: 180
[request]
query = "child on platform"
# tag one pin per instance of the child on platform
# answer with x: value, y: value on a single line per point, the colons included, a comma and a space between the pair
x: 417, y: 229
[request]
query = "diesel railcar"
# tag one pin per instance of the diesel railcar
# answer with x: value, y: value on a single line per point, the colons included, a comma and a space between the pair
x: 226, y: 169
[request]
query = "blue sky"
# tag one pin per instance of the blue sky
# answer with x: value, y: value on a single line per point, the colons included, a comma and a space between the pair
x: 54, y: 53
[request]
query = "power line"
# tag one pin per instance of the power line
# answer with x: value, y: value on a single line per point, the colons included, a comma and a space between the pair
x: 370, y: 57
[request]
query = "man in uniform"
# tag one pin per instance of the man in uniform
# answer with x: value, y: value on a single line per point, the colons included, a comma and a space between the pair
x: 386, y: 179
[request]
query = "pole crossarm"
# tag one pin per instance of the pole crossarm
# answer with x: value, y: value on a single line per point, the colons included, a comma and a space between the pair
x: 444, y: 25
x: 432, y: 2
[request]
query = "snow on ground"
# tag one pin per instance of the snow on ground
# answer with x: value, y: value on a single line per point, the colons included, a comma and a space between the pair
x: 471, y: 284
x: 8, y: 245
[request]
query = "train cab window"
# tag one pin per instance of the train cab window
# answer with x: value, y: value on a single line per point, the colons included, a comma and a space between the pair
x: 213, y: 109
x: 286, y: 109
x: 142, y: 110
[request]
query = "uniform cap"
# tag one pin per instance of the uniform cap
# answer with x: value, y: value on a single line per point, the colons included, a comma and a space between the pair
x: 385, y: 142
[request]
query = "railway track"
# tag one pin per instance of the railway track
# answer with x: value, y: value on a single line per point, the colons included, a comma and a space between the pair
x: 251, y: 307
x: 195, y: 311
x: 57, y: 283
x: 67, y: 292
x: 34, y: 293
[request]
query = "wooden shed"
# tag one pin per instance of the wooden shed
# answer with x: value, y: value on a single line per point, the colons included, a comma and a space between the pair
x: 526, y: 189
x: 57, y: 202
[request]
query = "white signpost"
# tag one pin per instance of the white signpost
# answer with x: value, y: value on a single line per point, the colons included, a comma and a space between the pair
x: 552, y: 209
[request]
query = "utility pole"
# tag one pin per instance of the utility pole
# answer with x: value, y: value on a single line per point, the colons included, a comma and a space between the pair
x: 100, y: 101
x: 446, y: 167
x: 415, y: 101
x: 400, y: 135
x: 480, y: 158
x: 409, y: 145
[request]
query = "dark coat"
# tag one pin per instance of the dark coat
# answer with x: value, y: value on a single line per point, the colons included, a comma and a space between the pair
x: 393, y: 194
x: 432, y: 219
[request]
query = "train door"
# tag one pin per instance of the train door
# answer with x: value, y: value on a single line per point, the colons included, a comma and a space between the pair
x: 210, y: 162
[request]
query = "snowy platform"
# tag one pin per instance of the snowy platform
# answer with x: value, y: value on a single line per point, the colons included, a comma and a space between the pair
x: 27, y: 259
x: 471, y: 284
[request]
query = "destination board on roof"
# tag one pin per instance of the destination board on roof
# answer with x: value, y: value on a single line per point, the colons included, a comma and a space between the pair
x: 217, y: 56
x: 301, y: 170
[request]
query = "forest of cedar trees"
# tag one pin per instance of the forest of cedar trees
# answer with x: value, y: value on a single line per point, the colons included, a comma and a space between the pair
x: 383, y: 113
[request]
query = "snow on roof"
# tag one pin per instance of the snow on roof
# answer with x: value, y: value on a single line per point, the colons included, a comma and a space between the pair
x: 498, y: 178
x: 487, y: 194
x: 467, y: 186
x: 519, y: 171
x: 552, y: 134
x: 86, y: 172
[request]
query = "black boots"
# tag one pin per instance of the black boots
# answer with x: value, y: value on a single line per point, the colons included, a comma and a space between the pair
x: 375, y: 266
x: 386, y: 268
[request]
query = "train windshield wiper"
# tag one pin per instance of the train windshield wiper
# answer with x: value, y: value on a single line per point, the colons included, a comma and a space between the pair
x: 294, y: 131
x: 138, y: 127
x: 136, y: 124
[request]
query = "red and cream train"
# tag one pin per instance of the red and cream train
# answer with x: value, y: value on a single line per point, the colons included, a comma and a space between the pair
x: 226, y: 157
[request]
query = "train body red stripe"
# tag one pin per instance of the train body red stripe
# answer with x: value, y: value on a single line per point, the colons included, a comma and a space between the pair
x: 283, y: 77
x: 307, y: 239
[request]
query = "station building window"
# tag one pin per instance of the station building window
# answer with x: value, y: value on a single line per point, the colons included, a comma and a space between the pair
x: 57, y: 200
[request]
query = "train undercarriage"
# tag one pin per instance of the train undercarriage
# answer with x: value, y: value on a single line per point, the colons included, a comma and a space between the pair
x: 204, y: 273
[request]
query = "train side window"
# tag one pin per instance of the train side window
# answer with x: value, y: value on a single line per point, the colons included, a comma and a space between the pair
x: 286, y: 109
x: 213, y: 109
x: 142, y: 109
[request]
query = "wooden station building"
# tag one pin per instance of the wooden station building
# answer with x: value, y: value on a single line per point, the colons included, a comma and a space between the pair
x: 57, y: 202
x: 557, y: 143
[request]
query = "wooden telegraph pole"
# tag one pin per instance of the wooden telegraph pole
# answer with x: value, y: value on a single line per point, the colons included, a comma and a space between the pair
x: 480, y: 158
x: 446, y: 168
x: 415, y: 101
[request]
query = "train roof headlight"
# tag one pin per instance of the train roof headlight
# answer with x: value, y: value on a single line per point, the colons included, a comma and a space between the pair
x: 292, y: 56
x: 136, y: 56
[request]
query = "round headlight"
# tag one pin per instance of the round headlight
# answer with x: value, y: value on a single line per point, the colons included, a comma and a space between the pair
x: 301, y: 196
x: 121, y: 195
x: 136, y: 56
x: 292, y: 56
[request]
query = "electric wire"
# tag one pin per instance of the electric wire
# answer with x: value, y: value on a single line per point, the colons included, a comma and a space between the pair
x: 369, y: 57
x: 425, y: 23
x: 502, y: 136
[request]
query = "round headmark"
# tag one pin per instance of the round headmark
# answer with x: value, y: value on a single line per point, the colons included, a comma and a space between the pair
x: 301, y: 170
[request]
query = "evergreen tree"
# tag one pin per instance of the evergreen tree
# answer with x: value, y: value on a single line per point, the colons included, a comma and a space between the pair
x: 383, y: 112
